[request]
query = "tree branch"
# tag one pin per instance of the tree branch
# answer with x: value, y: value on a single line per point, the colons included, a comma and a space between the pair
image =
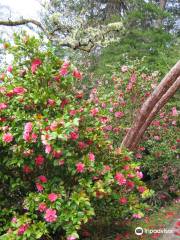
x: 15, y: 23
x: 147, y: 108
x: 171, y: 91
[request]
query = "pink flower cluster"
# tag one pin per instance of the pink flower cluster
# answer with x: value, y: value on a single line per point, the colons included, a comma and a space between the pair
x: 22, y: 229
x: 64, y: 68
x: 39, y: 160
x: 137, y: 216
x: 19, y: 90
x: 43, y: 179
x: 132, y: 81
x: 91, y: 156
x: 123, y: 200
x: 71, y: 238
x: 50, y: 215
x: 77, y: 74
x: 120, y: 178
x: 119, y: 114
x: 52, y: 197
x: 42, y: 207
x: 3, y: 106
x: 27, y: 134
x: 35, y: 64
x: 80, y: 167
x: 7, y: 137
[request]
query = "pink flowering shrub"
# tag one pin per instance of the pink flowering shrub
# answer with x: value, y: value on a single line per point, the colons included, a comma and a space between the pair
x: 158, y: 152
x: 60, y: 162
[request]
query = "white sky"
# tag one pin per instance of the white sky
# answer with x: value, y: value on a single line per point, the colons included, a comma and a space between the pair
x: 25, y: 8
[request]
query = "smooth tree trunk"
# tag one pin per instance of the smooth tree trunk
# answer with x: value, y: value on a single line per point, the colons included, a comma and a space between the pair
x: 171, y: 91
x: 166, y: 89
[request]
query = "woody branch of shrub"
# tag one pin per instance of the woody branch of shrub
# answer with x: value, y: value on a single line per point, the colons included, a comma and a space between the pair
x: 159, y: 97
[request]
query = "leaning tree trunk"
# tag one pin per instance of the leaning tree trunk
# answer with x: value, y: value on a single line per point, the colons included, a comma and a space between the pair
x: 166, y: 89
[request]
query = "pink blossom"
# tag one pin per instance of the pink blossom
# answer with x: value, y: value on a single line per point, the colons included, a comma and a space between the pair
x: 53, y: 126
x: 107, y: 128
x: 157, y: 138
x: 3, y: 106
x: 138, y: 155
x: 104, y: 119
x: 141, y: 148
x: 174, y: 123
x: 14, y: 220
x: 120, y: 178
x: 80, y: 167
x: 35, y: 64
x: 82, y: 145
x: 123, y: 200
x: 139, y: 174
x: 133, y: 78
x: 57, y: 154
x: 174, y: 112
x: 9, y: 69
x: 52, y: 197
x: 130, y: 184
x: 124, y: 68
x: 5, y: 128
x: 103, y: 105
x: 43, y: 179
x: 19, y: 90
x: 28, y: 127
x: 39, y: 187
x: 34, y: 137
x: 48, y: 149
x: 77, y: 74
x: 94, y: 112
x: 7, y: 137
x: 71, y: 238
x: 61, y: 162
x: 119, y: 114
x: 130, y: 175
x: 42, y: 207
x: 107, y: 168
x: 91, y: 156
x: 10, y: 94
x: 156, y: 123
x: 28, y: 152
x: 26, y: 136
x: 137, y: 215
x: 63, y: 71
x: 39, y: 160
x: 22, y: 229
x: 141, y: 189
x: 126, y: 167
x: 74, y: 135
x: 64, y: 103
x: 72, y: 112
x: 51, y: 102
x: 26, y: 169
x: 129, y: 87
x: 2, y: 89
x: 50, y: 215
x: 66, y: 64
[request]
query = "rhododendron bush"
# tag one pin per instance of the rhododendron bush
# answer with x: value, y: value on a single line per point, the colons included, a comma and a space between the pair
x: 59, y: 164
